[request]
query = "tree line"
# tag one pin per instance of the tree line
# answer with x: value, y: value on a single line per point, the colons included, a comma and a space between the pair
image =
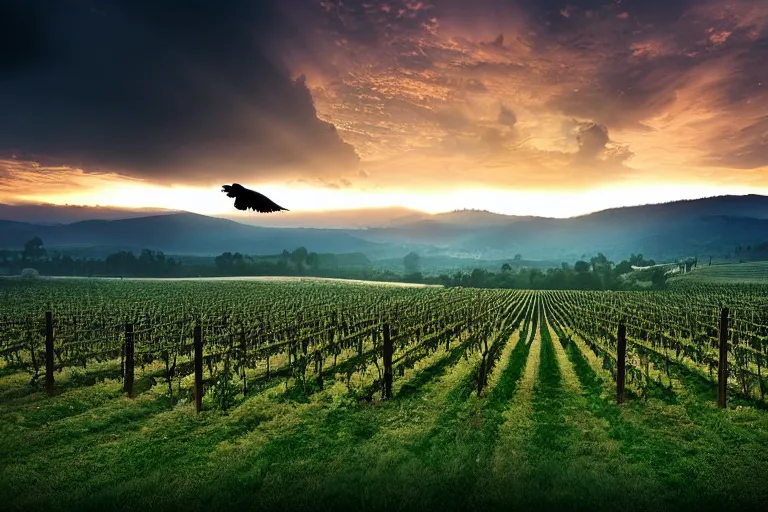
x: 596, y: 274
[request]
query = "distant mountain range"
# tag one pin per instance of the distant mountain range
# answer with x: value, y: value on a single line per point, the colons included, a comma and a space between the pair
x: 702, y: 227
x: 66, y: 214
x: 186, y: 233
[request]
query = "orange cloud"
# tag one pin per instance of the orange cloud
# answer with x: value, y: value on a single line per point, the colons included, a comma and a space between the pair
x: 668, y: 98
x: 492, y: 95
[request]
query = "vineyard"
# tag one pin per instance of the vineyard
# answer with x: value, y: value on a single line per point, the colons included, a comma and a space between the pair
x: 750, y: 272
x: 125, y: 394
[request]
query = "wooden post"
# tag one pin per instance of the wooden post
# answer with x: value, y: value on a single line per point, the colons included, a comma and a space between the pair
x: 621, y: 363
x: 198, y: 368
x: 128, y: 384
x: 243, y: 359
x: 388, y: 350
x: 49, y: 353
x: 319, y: 371
x: 722, y: 369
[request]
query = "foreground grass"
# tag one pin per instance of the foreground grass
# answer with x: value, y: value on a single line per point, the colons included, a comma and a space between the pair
x: 547, y: 434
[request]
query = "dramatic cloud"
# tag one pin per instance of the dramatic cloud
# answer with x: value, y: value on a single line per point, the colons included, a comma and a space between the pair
x: 675, y: 84
x: 399, y: 94
x: 172, y: 91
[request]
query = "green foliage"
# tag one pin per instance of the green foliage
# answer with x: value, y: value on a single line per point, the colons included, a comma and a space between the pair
x: 225, y: 390
x: 412, y: 263
x: 544, y: 434
x: 581, y: 267
x: 598, y: 273
x: 34, y: 250
x: 658, y: 278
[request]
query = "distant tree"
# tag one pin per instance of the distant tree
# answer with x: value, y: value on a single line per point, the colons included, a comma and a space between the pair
x: 123, y: 262
x: 33, y: 249
x: 581, y: 267
x: 478, y: 277
x: 299, y: 257
x: 535, y: 277
x: 637, y: 260
x: 224, y: 261
x: 412, y: 263
x: 330, y: 261
x: 146, y: 262
x: 600, y: 262
x: 625, y: 267
x: 506, y: 267
x: 313, y: 260
x: 415, y: 277
x: 238, y: 261
x: 658, y: 278
x: 517, y: 257
x: 557, y: 278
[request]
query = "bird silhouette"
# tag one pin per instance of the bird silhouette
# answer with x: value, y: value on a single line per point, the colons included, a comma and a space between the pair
x: 246, y: 198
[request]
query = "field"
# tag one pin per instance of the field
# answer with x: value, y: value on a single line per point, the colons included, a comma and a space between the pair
x: 499, y: 399
x: 751, y: 272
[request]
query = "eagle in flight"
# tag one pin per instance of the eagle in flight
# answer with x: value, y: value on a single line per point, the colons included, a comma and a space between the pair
x: 245, y: 199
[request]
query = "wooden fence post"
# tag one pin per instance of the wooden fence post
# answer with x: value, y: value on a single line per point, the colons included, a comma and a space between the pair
x: 244, y: 358
x: 388, y: 351
x: 722, y: 369
x: 198, y: 368
x: 128, y: 384
x: 621, y: 363
x: 49, y: 353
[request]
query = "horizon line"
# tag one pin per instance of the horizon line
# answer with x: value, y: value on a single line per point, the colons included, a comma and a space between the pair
x: 237, y: 217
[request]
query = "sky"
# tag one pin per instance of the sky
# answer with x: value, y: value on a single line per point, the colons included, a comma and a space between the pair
x: 531, y: 107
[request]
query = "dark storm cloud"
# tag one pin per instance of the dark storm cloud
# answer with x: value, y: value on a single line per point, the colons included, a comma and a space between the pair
x: 23, y: 38
x: 155, y: 89
x: 170, y: 90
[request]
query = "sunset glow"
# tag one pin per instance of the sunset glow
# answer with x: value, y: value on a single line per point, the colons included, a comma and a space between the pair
x: 553, y: 203
x: 514, y: 107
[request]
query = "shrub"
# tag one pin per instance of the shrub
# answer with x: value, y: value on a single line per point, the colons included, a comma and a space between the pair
x: 30, y: 273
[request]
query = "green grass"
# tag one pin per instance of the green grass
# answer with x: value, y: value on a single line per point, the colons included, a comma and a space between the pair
x: 750, y: 272
x: 548, y: 437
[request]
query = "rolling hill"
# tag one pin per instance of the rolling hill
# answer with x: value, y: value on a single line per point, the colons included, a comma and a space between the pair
x: 185, y: 233
x: 713, y: 226
x: 705, y: 227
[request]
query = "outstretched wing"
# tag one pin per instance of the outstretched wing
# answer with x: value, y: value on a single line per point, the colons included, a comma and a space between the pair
x: 250, y: 199
x: 229, y: 189
x: 257, y: 202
